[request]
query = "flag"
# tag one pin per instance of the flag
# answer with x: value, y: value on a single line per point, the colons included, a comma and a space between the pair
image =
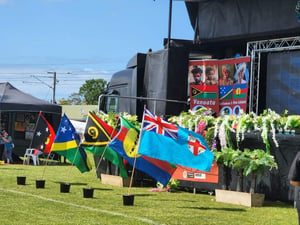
x: 204, y: 91
x: 43, y: 136
x: 225, y: 92
x: 185, y: 148
x: 97, y: 135
x: 125, y: 143
x: 240, y: 91
x: 66, y: 144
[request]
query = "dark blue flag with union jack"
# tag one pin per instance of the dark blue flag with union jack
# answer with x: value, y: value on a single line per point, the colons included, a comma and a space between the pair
x: 154, y: 123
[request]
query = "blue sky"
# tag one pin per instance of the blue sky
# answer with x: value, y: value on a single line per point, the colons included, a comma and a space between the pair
x: 90, y: 39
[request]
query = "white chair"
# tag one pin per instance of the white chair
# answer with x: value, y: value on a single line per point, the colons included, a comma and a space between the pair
x: 33, y: 154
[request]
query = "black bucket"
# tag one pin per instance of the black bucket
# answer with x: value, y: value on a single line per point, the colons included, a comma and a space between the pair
x: 65, y: 187
x: 21, y: 180
x: 40, y: 183
x: 88, y: 192
x: 128, y: 199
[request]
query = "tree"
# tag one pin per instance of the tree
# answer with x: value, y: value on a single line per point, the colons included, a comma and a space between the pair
x: 91, y: 90
x: 76, y: 99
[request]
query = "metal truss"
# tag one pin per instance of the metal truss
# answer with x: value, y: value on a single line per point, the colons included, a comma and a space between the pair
x: 254, y: 50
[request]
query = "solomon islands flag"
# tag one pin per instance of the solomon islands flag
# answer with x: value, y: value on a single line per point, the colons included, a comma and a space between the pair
x: 66, y: 144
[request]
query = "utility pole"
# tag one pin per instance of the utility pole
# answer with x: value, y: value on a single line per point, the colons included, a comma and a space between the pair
x: 54, y: 86
x: 170, y: 23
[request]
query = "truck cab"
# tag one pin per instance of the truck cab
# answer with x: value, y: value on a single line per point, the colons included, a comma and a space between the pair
x: 155, y: 79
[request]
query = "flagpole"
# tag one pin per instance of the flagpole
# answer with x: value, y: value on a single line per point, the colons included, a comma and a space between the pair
x: 138, y: 145
x: 24, y: 164
x: 73, y: 161
x: 37, y: 122
x: 46, y: 164
x: 102, y: 155
x: 131, y: 178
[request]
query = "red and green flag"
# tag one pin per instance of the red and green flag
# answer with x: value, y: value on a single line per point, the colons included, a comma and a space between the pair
x: 204, y: 91
x: 240, y: 91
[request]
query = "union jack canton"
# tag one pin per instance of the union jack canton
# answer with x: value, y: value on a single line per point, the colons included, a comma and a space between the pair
x: 152, y: 122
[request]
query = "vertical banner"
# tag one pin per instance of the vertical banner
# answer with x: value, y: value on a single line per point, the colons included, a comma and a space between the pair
x: 233, y: 85
x: 221, y: 85
x: 203, y: 80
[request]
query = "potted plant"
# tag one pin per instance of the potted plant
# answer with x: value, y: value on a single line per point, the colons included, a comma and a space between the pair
x: 224, y: 158
x: 260, y: 161
x: 252, y: 163
x: 239, y: 163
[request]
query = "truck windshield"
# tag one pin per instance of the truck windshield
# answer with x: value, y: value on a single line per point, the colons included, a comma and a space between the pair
x: 112, y: 104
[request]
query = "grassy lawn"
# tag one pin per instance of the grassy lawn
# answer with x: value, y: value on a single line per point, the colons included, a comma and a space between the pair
x: 25, y: 204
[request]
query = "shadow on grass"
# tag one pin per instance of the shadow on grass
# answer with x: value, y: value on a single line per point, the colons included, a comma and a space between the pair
x: 278, y: 204
x: 213, y: 208
x: 136, y: 195
x: 10, y: 168
x: 103, y: 189
x: 75, y: 184
x: 176, y: 200
x: 142, y: 195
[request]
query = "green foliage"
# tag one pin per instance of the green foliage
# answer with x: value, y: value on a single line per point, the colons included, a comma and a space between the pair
x: 111, y: 118
x: 91, y: 90
x: 225, y: 156
x: 209, y: 136
x: 240, y: 160
x: 259, y: 162
x: 173, y: 183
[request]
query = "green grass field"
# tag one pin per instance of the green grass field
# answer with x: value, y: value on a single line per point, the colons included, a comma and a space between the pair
x: 25, y: 204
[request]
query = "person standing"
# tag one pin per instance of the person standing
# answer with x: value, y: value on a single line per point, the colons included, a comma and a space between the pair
x: 8, y: 146
x: 294, y: 178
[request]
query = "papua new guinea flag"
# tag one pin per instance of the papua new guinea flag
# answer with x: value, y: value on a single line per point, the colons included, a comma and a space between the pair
x: 44, y: 135
x: 125, y: 143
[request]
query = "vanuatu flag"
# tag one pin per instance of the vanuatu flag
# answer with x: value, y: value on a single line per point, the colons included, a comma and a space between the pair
x: 125, y: 143
x: 204, y: 91
x: 97, y: 135
x: 66, y: 144
x: 240, y: 91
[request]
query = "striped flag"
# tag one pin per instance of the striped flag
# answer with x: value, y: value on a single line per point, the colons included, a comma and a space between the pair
x: 204, y: 91
x: 240, y: 91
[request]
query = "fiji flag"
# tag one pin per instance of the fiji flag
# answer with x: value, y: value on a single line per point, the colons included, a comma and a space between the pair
x: 225, y: 92
x: 183, y: 147
x: 125, y: 143
x: 66, y: 144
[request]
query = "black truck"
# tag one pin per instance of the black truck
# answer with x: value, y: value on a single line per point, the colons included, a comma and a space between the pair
x: 159, y: 80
